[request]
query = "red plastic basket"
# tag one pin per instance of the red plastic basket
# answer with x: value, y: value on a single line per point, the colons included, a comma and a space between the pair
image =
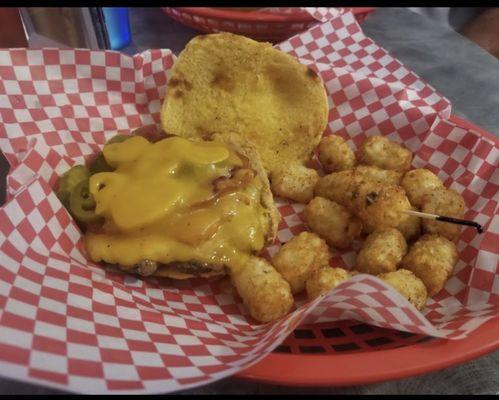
x: 258, y: 25
x: 346, y: 353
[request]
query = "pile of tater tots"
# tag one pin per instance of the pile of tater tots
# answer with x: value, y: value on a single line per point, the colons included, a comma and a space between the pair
x: 363, y: 197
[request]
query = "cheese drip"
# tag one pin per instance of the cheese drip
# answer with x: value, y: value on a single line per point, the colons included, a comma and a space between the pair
x: 160, y: 204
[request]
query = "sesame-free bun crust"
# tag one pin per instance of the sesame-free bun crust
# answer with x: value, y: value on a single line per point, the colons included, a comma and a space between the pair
x: 228, y: 84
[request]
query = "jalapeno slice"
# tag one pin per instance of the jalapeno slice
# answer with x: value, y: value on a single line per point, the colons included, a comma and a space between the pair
x: 100, y: 164
x: 69, y: 180
x: 118, y: 139
x: 82, y: 204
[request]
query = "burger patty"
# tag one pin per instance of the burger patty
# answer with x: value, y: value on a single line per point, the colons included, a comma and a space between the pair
x: 149, y: 267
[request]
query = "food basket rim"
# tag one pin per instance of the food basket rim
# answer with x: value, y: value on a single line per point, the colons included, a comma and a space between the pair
x: 259, y: 16
x: 361, y: 368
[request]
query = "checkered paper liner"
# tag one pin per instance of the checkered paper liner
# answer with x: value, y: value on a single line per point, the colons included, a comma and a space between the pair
x: 68, y: 323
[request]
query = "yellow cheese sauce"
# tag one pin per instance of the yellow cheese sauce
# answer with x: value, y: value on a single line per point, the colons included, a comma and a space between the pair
x: 159, y: 204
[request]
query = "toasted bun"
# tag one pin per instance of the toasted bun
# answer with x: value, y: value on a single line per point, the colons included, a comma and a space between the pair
x: 228, y: 84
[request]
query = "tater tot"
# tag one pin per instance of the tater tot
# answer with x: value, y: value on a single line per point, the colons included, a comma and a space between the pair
x: 335, y: 154
x: 299, y: 257
x: 408, y: 285
x: 335, y: 186
x: 443, y: 202
x: 381, y: 252
x: 384, y: 176
x: 339, y: 187
x: 362, y: 195
x: 432, y: 259
x: 294, y: 182
x: 385, y: 154
x: 324, y: 279
x: 410, y: 227
x: 263, y: 290
x: 419, y: 182
x: 381, y: 207
x: 331, y: 221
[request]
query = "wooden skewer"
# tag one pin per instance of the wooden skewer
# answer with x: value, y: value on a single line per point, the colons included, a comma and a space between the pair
x: 443, y: 218
x: 371, y: 199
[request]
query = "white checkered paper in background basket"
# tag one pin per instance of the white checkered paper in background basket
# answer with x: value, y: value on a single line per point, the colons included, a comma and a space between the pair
x: 69, y: 323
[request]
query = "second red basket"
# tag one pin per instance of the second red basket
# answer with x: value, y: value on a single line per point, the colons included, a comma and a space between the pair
x: 259, y: 25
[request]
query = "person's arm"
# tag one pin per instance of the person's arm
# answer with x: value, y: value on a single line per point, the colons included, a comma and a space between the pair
x: 484, y: 30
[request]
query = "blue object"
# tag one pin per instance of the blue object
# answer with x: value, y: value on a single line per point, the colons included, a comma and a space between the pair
x: 118, y: 26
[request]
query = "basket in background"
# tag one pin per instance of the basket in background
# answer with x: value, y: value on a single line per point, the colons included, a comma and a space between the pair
x: 262, y: 25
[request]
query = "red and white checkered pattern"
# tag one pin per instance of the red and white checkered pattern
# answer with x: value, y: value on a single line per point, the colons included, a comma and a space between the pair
x: 319, y: 13
x: 323, y: 14
x: 66, y: 103
x: 69, y: 323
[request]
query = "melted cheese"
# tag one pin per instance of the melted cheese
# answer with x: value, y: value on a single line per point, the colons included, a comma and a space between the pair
x: 159, y: 204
